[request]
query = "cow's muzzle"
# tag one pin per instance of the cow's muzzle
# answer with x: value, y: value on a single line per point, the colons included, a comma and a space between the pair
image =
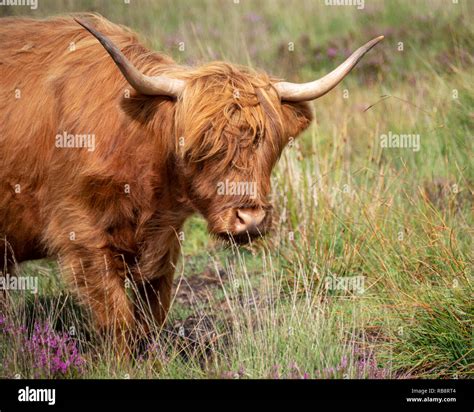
x: 247, y: 223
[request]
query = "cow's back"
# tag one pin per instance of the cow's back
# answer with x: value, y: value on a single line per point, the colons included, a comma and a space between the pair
x: 54, y: 78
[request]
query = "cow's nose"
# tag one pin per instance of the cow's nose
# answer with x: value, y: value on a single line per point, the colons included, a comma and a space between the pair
x: 248, y: 220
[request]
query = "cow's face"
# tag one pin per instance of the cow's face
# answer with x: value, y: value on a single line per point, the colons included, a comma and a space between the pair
x: 231, y: 130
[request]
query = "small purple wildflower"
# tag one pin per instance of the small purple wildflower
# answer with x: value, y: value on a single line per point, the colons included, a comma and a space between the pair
x: 332, y: 52
x: 253, y: 17
x: 49, y: 354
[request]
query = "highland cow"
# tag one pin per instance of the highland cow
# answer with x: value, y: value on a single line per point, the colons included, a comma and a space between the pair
x: 100, y: 169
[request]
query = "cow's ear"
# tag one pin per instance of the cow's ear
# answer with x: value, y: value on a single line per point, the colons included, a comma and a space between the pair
x: 296, y: 117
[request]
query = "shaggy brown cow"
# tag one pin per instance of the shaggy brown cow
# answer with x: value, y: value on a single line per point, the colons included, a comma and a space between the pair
x: 101, y: 169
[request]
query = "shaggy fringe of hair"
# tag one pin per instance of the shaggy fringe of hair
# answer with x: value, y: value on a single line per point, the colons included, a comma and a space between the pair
x: 233, y: 111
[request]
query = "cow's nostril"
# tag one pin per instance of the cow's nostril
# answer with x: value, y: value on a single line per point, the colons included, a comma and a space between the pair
x: 240, y: 217
x: 248, y: 219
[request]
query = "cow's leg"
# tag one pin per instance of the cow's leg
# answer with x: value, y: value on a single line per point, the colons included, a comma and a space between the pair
x: 8, y: 266
x: 99, y: 278
x: 155, y: 283
x: 3, y: 271
x: 4, y: 302
x: 154, y: 299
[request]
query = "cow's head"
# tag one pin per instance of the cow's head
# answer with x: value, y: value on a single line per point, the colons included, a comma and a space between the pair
x: 230, y: 144
x: 231, y: 125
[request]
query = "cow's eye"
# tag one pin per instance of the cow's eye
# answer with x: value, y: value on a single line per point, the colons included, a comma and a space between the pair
x: 258, y: 138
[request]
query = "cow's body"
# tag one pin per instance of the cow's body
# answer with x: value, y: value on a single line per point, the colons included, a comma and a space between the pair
x: 110, y: 210
x: 162, y: 139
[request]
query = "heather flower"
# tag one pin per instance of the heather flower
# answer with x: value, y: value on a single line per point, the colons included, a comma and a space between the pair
x: 253, y: 17
x: 228, y: 375
x: 361, y: 366
x: 48, y: 353
x: 332, y: 52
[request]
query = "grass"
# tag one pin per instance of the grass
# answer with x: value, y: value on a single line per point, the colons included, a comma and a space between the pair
x: 400, y: 219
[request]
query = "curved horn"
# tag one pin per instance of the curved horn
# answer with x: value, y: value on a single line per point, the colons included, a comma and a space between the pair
x: 149, y: 85
x: 296, y: 92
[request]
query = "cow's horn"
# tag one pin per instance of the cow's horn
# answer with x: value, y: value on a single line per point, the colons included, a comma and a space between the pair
x: 149, y: 85
x: 299, y: 92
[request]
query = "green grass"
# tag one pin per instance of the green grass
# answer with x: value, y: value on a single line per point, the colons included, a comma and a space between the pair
x: 346, y: 207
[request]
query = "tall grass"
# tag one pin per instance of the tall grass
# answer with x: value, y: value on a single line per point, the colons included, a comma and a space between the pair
x: 346, y: 207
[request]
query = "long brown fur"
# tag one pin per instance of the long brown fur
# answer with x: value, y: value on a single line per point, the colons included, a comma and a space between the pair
x: 115, y: 212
